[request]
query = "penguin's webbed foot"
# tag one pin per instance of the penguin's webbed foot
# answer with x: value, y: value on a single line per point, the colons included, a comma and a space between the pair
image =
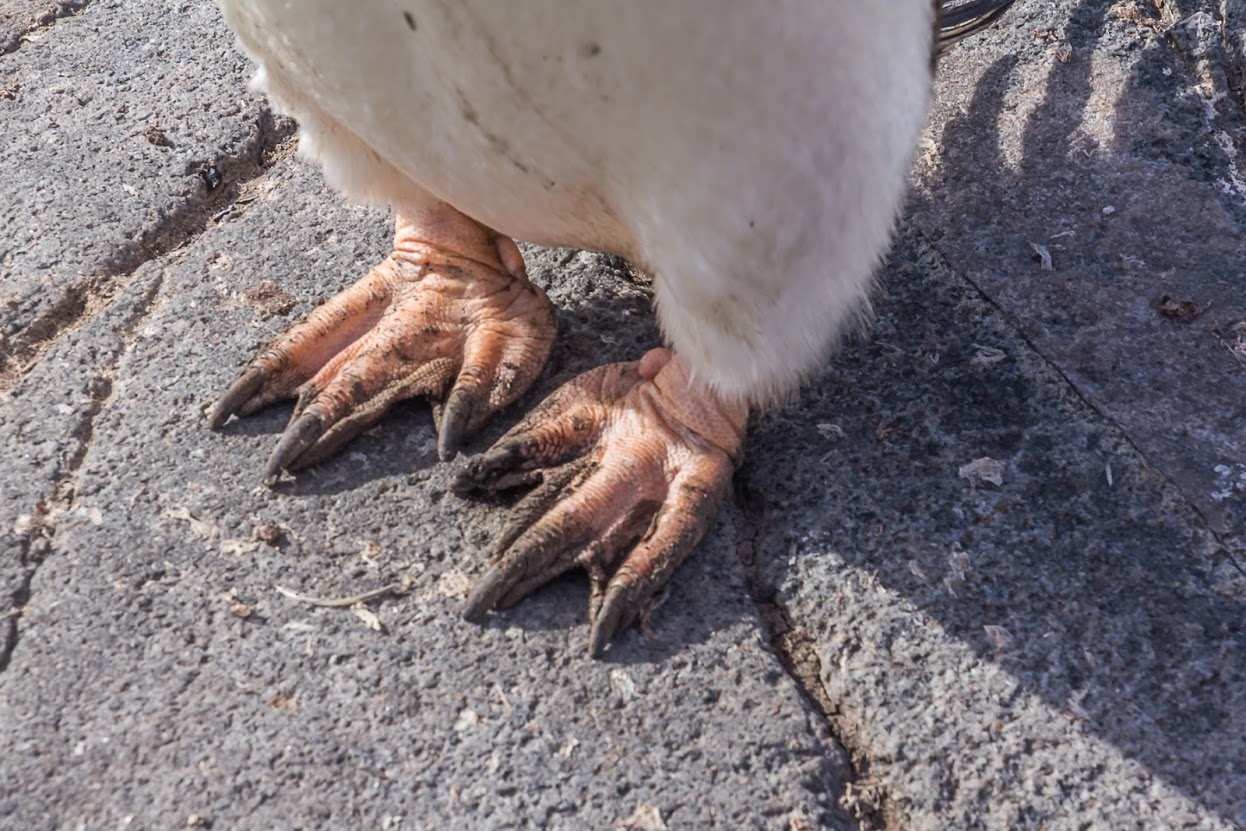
x: 453, y: 319
x: 631, y: 463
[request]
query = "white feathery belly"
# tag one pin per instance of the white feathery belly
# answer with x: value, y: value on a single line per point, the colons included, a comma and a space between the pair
x: 751, y: 155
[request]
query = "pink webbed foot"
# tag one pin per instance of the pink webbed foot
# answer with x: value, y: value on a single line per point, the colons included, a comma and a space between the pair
x: 454, y: 319
x: 631, y: 463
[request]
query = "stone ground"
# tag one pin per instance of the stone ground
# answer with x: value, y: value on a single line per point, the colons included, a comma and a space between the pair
x: 985, y: 571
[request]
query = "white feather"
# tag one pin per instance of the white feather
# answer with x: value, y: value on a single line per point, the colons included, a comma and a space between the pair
x: 752, y: 155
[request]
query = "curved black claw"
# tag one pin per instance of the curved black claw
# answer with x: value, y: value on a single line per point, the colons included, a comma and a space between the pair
x: 237, y: 396
x: 488, y: 591
x: 497, y: 469
x: 302, y: 433
x: 456, y: 415
x: 616, y: 613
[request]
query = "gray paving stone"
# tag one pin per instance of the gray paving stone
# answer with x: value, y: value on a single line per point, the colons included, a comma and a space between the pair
x: 1124, y: 161
x: 107, y: 117
x: 1059, y: 650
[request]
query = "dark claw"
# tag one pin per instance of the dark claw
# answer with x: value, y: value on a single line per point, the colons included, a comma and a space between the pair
x: 304, y: 432
x: 613, y: 616
x: 334, y: 440
x: 494, y: 470
x: 455, y: 417
x: 496, y: 582
x: 247, y: 385
x: 539, y: 557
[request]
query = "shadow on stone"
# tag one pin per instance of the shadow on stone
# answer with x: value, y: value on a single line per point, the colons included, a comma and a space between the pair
x: 1084, y: 574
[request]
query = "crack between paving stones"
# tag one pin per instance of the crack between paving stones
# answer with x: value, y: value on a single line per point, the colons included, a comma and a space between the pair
x: 17, y: 602
x: 272, y: 144
x: 49, y: 17
x: 37, y: 542
x: 92, y: 295
x: 863, y: 799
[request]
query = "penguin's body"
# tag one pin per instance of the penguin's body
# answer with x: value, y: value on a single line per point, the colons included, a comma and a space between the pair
x: 751, y: 156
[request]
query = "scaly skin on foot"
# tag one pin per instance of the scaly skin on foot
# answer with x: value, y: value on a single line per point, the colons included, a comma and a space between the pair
x: 631, y: 463
x: 456, y: 321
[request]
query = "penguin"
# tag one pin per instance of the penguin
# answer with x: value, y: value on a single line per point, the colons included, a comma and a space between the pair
x: 751, y: 157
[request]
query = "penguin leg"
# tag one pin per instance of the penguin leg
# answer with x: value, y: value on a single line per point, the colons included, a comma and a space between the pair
x: 449, y: 315
x: 631, y: 463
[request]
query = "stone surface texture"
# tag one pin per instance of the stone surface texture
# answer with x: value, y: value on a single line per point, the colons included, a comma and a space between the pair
x: 983, y: 572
